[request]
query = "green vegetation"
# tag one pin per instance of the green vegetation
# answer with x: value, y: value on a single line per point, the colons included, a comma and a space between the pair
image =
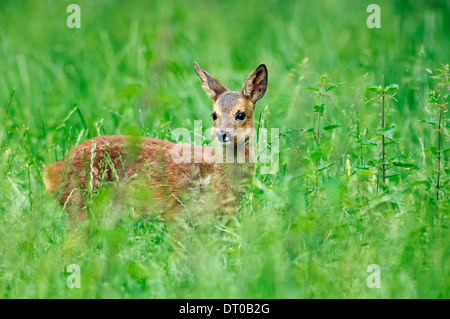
x: 308, y: 231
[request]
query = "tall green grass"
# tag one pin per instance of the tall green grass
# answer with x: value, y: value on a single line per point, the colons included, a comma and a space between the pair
x: 308, y: 231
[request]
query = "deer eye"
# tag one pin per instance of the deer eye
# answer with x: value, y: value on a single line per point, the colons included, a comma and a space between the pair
x: 214, y: 116
x: 240, y: 116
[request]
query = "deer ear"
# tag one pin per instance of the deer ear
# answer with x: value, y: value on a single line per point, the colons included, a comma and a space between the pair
x: 210, y: 85
x: 256, y: 84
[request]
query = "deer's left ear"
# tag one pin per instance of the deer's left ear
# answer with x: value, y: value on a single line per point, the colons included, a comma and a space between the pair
x: 256, y: 84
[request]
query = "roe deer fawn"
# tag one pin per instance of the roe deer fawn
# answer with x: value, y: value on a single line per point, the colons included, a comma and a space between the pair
x: 148, y: 164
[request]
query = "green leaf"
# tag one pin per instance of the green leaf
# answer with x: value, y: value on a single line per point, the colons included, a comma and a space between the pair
x: 319, y: 108
x: 308, y: 130
x: 375, y: 88
x: 316, y: 156
x: 422, y: 182
x: 405, y: 165
x: 387, y: 132
x: 392, y: 141
x: 431, y: 122
x: 365, y: 167
x: 312, y: 88
x: 368, y: 143
x: 323, y: 166
x: 392, y: 87
x: 432, y: 150
x: 331, y: 127
x: 393, y: 175
x: 333, y: 86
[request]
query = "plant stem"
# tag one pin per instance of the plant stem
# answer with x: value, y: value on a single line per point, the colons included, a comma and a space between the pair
x: 318, y: 131
x: 439, y: 148
x: 318, y: 123
x: 382, y: 127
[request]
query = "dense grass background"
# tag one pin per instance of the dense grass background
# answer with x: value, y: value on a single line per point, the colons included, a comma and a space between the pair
x: 301, y: 233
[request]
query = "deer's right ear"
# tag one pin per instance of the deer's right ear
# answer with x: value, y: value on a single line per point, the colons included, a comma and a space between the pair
x: 210, y: 85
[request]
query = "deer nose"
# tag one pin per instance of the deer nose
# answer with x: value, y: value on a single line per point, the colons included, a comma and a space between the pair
x: 223, y: 136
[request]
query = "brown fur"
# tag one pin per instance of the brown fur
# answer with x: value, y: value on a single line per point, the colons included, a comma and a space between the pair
x: 145, y: 165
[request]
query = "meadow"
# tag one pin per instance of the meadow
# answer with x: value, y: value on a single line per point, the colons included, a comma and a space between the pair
x: 311, y: 229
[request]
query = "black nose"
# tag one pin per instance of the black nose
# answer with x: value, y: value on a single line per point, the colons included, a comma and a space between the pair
x: 224, y: 136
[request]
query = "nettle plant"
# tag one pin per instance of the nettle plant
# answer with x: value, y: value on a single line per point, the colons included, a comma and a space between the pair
x: 317, y: 155
x: 439, y: 98
x: 385, y: 134
x: 321, y: 91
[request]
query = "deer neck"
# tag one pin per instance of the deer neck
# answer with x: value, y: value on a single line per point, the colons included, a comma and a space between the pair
x: 237, y: 167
